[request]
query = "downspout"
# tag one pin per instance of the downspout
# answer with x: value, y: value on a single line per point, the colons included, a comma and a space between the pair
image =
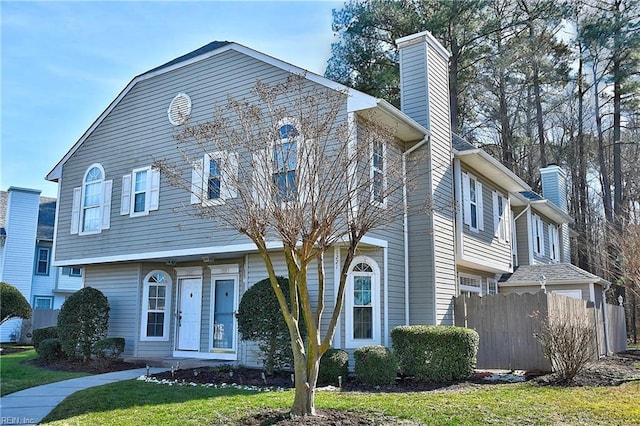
x: 607, y: 343
x: 405, y: 220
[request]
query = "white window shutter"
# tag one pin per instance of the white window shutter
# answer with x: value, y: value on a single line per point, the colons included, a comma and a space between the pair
x: 106, y: 204
x: 228, y: 187
x: 196, y: 182
x: 507, y: 219
x: 75, y: 210
x: 466, y: 199
x: 125, y: 199
x: 480, y: 206
x: 541, y: 233
x: 496, y: 214
x: 154, y: 191
x: 262, y: 179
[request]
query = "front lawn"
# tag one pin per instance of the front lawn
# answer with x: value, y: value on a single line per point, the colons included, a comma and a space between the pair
x: 137, y: 402
x: 15, y: 374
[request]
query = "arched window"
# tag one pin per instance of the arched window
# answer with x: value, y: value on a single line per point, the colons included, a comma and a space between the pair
x: 92, y: 199
x: 362, y: 303
x: 156, y: 305
x: 91, y: 208
x: 285, y: 161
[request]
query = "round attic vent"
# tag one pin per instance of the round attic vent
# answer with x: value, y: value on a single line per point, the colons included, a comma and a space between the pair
x: 179, y: 109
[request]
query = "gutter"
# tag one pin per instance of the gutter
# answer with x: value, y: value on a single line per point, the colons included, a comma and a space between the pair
x: 405, y: 223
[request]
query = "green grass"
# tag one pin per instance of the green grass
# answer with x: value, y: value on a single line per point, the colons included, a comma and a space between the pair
x: 16, y: 375
x: 135, y: 402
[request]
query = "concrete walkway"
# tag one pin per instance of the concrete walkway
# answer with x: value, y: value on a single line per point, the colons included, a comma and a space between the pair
x: 31, y: 405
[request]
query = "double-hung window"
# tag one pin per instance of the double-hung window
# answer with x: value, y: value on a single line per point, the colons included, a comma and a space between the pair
x: 378, y: 175
x: 91, y: 206
x: 140, y: 192
x: 362, y: 304
x: 554, y: 244
x: 285, y: 159
x: 501, y: 223
x: 156, y: 305
x: 214, y: 178
x: 472, y: 199
x: 537, y: 233
x: 42, y: 261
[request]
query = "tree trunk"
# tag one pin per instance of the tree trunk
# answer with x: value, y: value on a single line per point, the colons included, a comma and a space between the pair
x: 537, y: 97
x: 604, y: 171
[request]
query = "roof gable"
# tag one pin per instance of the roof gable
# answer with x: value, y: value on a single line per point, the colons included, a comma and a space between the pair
x: 357, y: 101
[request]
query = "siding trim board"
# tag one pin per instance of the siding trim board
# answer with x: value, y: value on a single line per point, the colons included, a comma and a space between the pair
x: 172, y: 254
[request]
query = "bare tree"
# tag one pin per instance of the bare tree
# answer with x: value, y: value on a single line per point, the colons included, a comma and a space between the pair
x: 306, y: 176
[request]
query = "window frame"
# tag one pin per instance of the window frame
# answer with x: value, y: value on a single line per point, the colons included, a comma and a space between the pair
x: 350, y: 341
x: 200, y: 178
x: 147, y: 283
x: 375, y: 169
x: 467, y: 179
x: 47, y: 261
x: 129, y: 191
x: 501, y: 222
x: 464, y: 288
x: 99, y: 206
x: 554, y: 243
x: 294, y: 192
x: 537, y: 235
x: 48, y: 298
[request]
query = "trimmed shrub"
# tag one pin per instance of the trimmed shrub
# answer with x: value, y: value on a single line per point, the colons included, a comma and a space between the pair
x: 436, y: 353
x: 12, y: 303
x: 51, y: 350
x: 260, y: 320
x: 41, y: 334
x: 334, y: 363
x: 111, y: 347
x: 375, y: 365
x: 83, y: 320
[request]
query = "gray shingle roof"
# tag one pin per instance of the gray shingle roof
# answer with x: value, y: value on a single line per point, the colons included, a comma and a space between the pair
x: 46, y: 216
x: 204, y: 49
x: 460, y: 144
x: 553, y: 273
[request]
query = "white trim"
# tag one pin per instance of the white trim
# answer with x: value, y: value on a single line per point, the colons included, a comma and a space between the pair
x: 147, y: 192
x: 337, y: 269
x: 592, y: 292
x: 471, y: 289
x: 186, y: 114
x: 427, y: 38
x: 233, y: 248
x: 204, y: 355
x: 530, y: 235
x: 188, y: 271
x: 375, y: 304
x: 228, y: 354
x: 373, y: 169
x: 102, y: 182
x: 484, y: 263
x: 385, y: 287
x: 144, y: 309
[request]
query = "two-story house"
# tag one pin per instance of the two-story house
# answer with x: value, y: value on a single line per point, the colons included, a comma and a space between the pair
x: 174, y: 282
x: 26, y: 245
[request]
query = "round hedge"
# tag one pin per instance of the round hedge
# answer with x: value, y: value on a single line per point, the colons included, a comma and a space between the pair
x: 260, y: 320
x: 83, y: 320
x: 12, y: 303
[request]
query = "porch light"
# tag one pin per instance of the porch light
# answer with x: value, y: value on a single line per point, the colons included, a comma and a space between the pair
x: 543, y: 282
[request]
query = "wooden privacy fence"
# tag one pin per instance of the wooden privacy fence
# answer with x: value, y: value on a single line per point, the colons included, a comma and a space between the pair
x: 506, y: 325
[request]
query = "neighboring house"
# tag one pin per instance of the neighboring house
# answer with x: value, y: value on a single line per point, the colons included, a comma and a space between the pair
x: 174, y: 281
x: 26, y: 246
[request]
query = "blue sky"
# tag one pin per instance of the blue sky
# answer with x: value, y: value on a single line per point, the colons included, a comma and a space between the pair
x: 63, y: 62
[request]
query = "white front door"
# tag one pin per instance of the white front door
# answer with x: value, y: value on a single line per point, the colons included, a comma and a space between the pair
x: 189, y: 312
